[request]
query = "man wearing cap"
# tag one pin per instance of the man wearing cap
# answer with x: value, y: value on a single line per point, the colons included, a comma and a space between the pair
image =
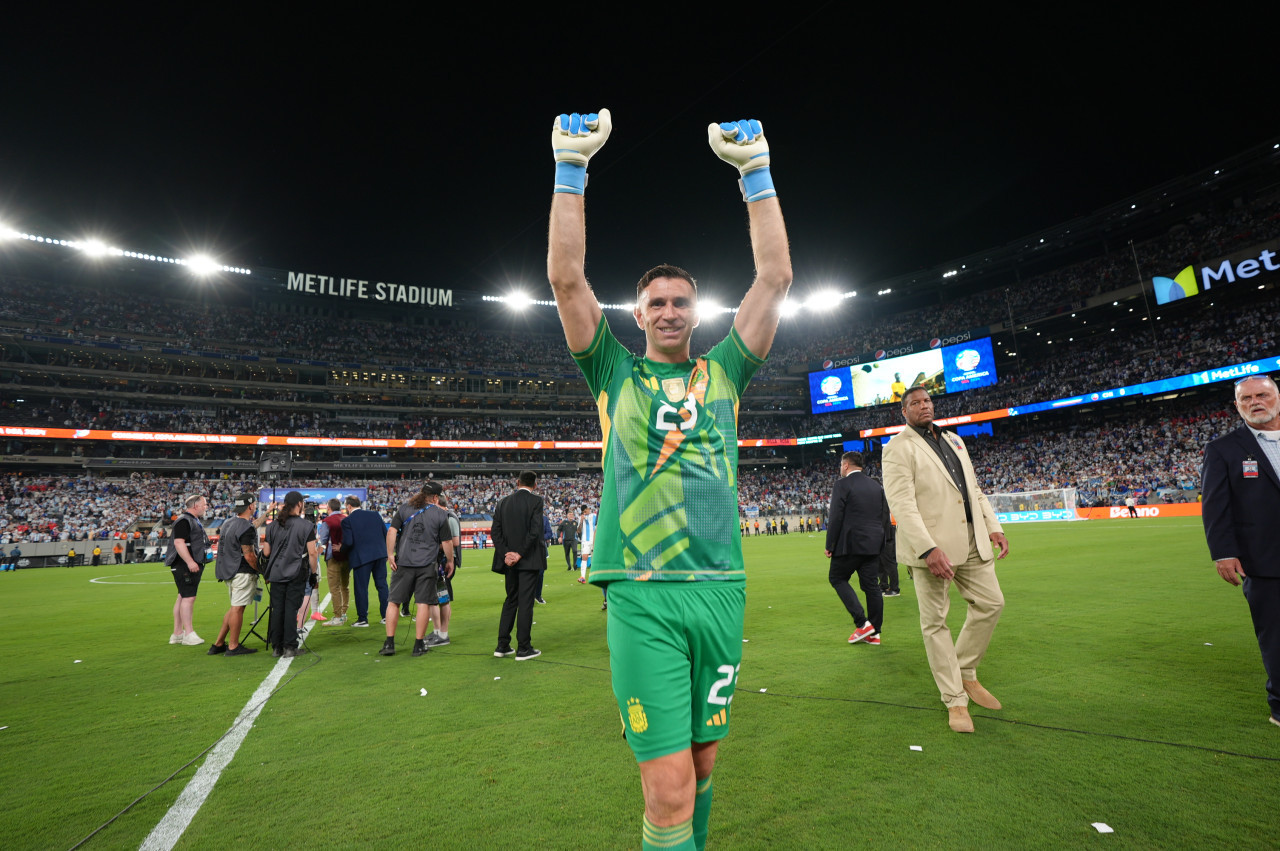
x: 415, y: 538
x: 237, y: 565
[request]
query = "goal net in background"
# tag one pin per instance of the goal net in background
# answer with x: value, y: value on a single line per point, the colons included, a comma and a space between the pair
x: 1055, y: 504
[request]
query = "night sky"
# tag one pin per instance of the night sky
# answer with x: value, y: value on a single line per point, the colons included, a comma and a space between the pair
x: 415, y: 148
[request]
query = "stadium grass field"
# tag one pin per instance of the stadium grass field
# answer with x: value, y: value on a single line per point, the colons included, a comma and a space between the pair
x: 1131, y: 680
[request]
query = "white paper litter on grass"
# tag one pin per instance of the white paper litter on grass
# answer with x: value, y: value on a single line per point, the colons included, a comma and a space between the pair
x: 1102, y: 828
x: 916, y: 748
x: 424, y: 692
x: 745, y: 640
x: 1207, y: 644
x: 5, y: 727
x: 76, y: 662
x: 497, y: 678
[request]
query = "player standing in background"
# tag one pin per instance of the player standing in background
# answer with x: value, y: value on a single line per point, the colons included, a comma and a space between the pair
x: 587, y: 543
x: 669, y: 507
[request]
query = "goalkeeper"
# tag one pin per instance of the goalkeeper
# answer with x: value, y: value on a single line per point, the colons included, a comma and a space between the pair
x: 668, y: 547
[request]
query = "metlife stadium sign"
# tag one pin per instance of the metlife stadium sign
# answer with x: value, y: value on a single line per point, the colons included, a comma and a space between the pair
x: 1257, y: 263
x: 377, y: 292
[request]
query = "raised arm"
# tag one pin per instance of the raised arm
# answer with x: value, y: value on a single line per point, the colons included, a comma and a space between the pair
x: 742, y: 144
x: 574, y: 138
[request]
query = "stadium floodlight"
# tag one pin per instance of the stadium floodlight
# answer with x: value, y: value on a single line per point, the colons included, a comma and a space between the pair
x: 790, y: 307
x: 707, y: 307
x: 519, y: 300
x: 93, y: 248
x: 823, y: 301
x: 202, y: 264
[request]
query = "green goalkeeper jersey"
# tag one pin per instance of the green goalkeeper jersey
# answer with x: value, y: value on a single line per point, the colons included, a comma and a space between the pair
x: 669, y: 509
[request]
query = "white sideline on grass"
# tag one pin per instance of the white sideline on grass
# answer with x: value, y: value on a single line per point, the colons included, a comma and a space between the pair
x: 166, y: 834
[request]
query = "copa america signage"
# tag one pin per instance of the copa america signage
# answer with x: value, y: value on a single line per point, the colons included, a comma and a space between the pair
x: 380, y: 291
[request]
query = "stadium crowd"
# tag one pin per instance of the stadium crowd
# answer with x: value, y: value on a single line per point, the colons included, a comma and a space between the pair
x: 1104, y: 455
x: 121, y: 317
x: 1199, y: 237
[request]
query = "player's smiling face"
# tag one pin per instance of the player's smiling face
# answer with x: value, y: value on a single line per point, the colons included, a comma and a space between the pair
x: 668, y: 313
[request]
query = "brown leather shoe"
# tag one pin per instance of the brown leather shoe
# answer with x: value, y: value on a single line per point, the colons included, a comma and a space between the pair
x: 980, y: 695
x: 959, y: 719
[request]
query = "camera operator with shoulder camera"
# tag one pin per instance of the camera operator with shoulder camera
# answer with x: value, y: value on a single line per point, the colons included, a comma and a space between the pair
x: 237, y: 565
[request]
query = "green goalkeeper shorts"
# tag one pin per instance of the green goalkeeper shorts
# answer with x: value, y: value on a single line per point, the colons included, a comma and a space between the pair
x: 675, y: 649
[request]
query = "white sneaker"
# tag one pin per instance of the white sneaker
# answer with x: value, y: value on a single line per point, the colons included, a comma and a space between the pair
x: 175, y: 639
x: 338, y: 621
x: 191, y: 639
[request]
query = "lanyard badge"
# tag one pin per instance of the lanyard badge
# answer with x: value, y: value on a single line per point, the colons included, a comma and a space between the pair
x: 1250, y: 469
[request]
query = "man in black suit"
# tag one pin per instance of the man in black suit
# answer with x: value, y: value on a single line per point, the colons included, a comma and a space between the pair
x: 857, y: 528
x: 520, y: 554
x: 1241, y: 492
x: 364, y: 538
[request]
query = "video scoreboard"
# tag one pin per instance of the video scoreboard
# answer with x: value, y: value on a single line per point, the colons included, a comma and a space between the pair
x: 946, y: 369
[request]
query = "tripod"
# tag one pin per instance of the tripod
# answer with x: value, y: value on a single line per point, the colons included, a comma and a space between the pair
x: 271, y: 465
x: 257, y: 618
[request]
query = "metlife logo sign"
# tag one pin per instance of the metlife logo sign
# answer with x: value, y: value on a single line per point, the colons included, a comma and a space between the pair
x: 1229, y: 270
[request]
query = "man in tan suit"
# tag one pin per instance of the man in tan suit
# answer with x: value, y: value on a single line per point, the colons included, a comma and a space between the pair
x: 945, y: 524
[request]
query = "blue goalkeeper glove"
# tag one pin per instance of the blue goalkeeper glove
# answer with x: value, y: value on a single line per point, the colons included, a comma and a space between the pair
x: 742, y: 143
x: 574, y: 138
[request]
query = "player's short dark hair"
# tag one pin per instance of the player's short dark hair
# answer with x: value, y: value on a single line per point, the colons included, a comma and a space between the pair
x: 666, y: 270
x: 912, y: 389
x: 353, y: 501
x: 334, y: 505
x: 528, y: 479
x: 854, y: 458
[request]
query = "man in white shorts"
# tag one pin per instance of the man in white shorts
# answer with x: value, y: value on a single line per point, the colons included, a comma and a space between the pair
x: 237, y: 565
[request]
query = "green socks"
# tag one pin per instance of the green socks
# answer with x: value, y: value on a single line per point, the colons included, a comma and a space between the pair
x: 701, y: 812
x: 678, y: 837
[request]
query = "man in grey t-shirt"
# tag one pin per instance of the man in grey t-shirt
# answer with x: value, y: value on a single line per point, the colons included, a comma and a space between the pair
x: 417, y: 534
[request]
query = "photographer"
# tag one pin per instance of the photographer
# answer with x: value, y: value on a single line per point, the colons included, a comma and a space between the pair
x: 290, y: 549
x: 413, y: 562
x: 185, y: 557
x: 237, y: 565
